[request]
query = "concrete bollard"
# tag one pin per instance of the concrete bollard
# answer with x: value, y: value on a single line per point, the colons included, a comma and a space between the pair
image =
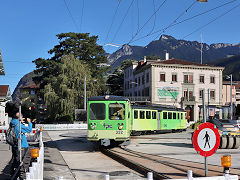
x: 106, y: 177
x: 28, y: 176
x: 150, y: 176
x: 31, y: 172
x: 189, y: 174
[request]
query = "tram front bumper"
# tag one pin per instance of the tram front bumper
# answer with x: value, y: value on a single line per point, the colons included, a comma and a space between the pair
x: 117, y: 135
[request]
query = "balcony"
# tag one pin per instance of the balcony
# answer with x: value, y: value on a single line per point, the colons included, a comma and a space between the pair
x: 187, y: 99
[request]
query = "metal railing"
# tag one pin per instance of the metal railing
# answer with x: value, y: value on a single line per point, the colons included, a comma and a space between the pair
x: 191, y: 98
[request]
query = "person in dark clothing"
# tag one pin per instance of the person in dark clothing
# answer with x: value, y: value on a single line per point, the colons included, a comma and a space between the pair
x: 24, y: 144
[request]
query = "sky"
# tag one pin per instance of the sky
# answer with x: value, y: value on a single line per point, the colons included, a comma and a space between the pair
x: 28, y: 28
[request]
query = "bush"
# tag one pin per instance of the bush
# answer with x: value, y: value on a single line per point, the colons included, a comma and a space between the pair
x: 65, y: 119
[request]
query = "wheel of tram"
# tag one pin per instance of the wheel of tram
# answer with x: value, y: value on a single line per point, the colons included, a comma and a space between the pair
x: 223, y: 142
x: 236, y: 143
x: 230, y: 142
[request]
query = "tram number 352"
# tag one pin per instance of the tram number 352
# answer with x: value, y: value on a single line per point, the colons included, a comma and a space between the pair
x: 119, y: 132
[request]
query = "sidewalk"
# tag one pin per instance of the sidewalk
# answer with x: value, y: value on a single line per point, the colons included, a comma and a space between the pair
x: 54, y: 164
x: 5, y: 156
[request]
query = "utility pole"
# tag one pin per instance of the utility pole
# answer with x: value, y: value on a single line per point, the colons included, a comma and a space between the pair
x: 201, y: 48
x: 20, y: 133
x: 85, y: 93
x: 231, y: 108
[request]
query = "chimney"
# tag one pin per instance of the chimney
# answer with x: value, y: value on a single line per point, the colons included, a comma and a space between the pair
x: 167, y: 56
x: 145, y: 59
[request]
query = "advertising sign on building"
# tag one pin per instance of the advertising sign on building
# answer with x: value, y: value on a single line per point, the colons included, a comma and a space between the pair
x: 168, y: 92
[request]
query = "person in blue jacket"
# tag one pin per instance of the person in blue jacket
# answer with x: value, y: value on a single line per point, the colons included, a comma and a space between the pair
x: 24, y: 144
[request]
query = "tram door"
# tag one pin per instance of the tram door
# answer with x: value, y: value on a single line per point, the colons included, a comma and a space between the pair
x: 158, y: 120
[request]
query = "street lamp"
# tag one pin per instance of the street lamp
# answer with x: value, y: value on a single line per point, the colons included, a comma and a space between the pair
x: 230, y: 77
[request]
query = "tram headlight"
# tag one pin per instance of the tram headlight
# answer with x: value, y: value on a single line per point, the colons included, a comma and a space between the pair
x: 120, y: 127
x: 93, y: 127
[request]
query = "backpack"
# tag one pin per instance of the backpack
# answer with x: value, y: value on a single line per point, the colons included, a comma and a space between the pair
x: 11, y: 138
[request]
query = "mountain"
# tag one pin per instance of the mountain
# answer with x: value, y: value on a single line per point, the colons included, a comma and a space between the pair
x: 179, y: 49
x: 231, y: 64
x: 26, y: 80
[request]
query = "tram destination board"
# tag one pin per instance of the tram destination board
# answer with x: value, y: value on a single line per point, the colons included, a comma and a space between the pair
x: 206, y: 139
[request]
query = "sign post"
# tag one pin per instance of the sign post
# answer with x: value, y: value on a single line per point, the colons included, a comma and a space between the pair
x: 206, y: 140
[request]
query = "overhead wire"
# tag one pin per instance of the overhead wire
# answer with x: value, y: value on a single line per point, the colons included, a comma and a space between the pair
x: 187, y: 19
x: 223, y: 14
x: 147, y: 21
x: 155, y: 17
x: 119, y: 27
x: 114, y: 16
x: 70, y: 14
x: 138, y: 15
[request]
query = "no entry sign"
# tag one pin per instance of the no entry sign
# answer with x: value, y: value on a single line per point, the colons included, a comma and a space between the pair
x: 206, y: 139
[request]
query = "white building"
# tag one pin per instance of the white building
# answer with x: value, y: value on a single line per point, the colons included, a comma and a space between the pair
x: 5, y: 96
x: 174, y: 82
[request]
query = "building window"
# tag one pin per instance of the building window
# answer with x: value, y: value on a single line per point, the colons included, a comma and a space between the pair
x: 212, y: 94
x: 188, y: 78
x: 174, y: 77
x: 139, y: 82
x: 162, y: 77
x: 130, y: 84
x: 147, y: 91
x: 147, y: 79
x: 142, y: 92
x: 135, y: 82
x: 212, y: 79
x: 143, y: 79
x: 201, y: 79
x: 200, y: 93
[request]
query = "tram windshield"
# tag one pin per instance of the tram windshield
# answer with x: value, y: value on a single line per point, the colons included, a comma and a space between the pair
x: 97, y: 111
x: 116, y: 111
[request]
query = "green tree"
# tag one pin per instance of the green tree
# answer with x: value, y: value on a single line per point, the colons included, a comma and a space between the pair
x: 115, y: 81
x: 81, y: 46
x: 64, y: 93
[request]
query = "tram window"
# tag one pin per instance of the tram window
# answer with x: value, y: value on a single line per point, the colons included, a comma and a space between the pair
x: 116, y: 111
x: 154, y: 115
x: 97, y: 111
x: 135, y: 114
x: 148, y: 114
x: 174, y: 116
x: 181, y: 115
x: 164, y: 115
x: 178, y: 115
x: 169, y: 115
x: 142, y: 114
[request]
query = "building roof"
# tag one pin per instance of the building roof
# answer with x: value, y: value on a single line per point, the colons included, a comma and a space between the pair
x: 4, y: 90
x: 173, y: 61
x: 31, y: 86
x: 229, y: 83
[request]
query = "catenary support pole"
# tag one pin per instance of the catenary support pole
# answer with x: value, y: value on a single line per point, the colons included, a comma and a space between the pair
x: 20, y: 133
x: 85, y: 93
x: 204, y: 120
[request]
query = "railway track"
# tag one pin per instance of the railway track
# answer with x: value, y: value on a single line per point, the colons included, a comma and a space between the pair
x: 162, y: 167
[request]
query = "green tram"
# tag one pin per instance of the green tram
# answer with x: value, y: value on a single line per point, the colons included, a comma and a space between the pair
x: 113, y: 118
